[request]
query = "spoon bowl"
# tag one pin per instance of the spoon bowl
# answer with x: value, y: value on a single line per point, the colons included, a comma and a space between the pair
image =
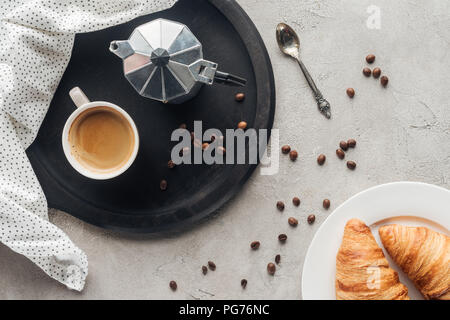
x: 287, y: 40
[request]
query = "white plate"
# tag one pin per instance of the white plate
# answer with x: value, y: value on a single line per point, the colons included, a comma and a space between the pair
x: 407, y: 203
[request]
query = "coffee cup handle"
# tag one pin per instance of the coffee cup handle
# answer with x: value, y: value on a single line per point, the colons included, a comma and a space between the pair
x: 78, y: 97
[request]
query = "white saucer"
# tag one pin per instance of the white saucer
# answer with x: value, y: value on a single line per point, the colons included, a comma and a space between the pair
x: 407, y: 203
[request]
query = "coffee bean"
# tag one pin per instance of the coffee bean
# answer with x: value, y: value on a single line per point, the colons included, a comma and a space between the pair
x: 255, y: 245
x: 242, y: 125
x: 205, y: 145
x: 280, y: 205
x: 239, y: 96
x: 311, y: 218
x: 293, y: 155
x: 171, y: 164
x: 271, y: 268
x: 244, y: 283
x: 204, y: 270
x: 282, y: 237
x: 340, y: 153
x: 321, y: 159
x: 384, y: 81
x: 163, y: 185
x: 343, y: 145
x: 293, y: 222
x: 370, y: 58
x: 285, y: 149
x: 277, y: 259
x: 351, y: 143
x: 296, y: 201
x: 192, y: 136
x: 211, y: 265
x: 367, y: 72
x: 326, y: 203
x: 173, y: 285
x: 351, y: 92
x: 376, y: 73
x: 221, y: 150
x: 185, y: 150
x: 197, y: 143
x: 183, y: 126
x: 351, y: 165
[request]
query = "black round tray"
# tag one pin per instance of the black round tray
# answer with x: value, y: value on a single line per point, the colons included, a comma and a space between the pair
x: 133, y: 202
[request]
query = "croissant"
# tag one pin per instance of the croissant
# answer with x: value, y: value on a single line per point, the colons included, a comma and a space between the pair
x: 362, y: 271
x: 423, y: 254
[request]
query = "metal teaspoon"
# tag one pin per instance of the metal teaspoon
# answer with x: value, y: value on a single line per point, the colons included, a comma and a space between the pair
x: 289, y: 44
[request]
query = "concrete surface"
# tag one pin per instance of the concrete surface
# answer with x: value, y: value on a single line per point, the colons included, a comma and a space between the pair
x: 403, y: 133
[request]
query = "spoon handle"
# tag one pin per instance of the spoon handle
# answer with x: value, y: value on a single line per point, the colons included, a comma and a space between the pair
x: 322, y: 103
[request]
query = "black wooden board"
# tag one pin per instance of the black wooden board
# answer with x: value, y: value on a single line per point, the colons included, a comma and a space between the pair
x: 133, y: 202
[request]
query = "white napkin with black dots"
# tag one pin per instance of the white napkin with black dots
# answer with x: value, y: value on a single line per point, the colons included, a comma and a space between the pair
x: 36, y: 39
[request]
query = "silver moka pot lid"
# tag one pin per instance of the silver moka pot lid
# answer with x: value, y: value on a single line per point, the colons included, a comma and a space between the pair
x: 163, y: 60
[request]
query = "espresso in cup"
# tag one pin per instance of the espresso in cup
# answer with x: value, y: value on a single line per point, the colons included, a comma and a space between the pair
x: 101, y: 139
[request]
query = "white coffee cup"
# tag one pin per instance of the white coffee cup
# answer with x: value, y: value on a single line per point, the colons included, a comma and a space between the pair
x: 83, y: 104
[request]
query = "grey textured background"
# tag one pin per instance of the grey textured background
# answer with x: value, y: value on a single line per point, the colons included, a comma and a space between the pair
x: 403, y: 133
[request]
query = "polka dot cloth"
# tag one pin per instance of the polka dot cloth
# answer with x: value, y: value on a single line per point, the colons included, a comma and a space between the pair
x: 36, y: 39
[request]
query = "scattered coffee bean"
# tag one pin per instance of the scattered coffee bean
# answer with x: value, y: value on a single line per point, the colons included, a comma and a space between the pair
x: 343, y: 145
x: 204, y: 270
x: 296, y: 201
x: 280, y: 205
x: 351, y: 143
x: 185, y: 150
x: 271, y: 268
x: 277, y: 259
x: 321, y: 159
x: 171, y: 164
x: 293, y: 222
x: 351, y: 92
x: 376, y: 73
x: 326, y: 203
x: 311, y: 218
x: 173, y: 285
x: 163, y: 185
x: 340, y: 153
x: 205, y: 145
x: 244, y: 283
x: 197, y: 143
x: 242, y: 125
x: 293, y: 155
x: 221, y: 150
x: 351, y: 165
x: 282, y: 237
x: 384, y: 81
x: 183, y: 126
x: 255, y: 245
x: 367, y: 72
x: 285, y: 149
x: 370, y: 58
x: 239, y: 96
x: 211, y: 265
